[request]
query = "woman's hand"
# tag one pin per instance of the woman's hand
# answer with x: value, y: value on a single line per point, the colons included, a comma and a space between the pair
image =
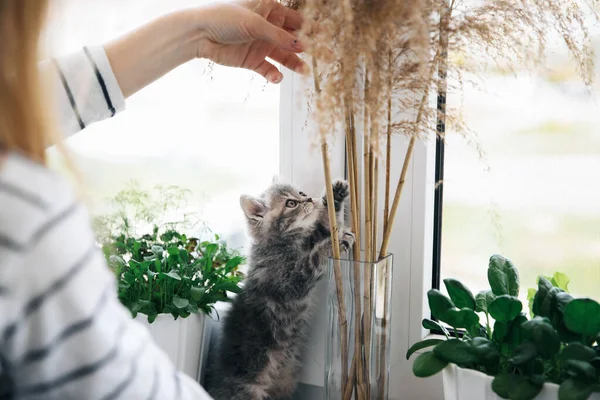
x: 244, y: 33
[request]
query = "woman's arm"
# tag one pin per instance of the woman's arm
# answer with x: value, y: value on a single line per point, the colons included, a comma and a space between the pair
x: 239, y: 34
x: 93, y: 84
x: 86, y: 89
x: 142, y: 56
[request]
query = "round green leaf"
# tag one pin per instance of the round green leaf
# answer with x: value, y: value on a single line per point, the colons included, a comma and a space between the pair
x: 583, y: 316
x: 173, y: 250
x: 562, y: 299
x: 197, y: 292
x: 460, y: 294
x: 179, y: 302
x: 544, y: 283
x: 548, y: 306
x: 515, y: 331
x: 433, y: 325
x: 544, y: 286
x: 581, y: 370
x: 577, y: 351
x: 515, y: 387
x: 505, y: 308
x: 574, y: 389
x: 477, y: 330
x: 543, y: 335
x: 500, y: 331
x: 439, y: 304
x: 465, y: 318
x: 470, y: 318
x: 145, y: 303
x: 538, y: 379
x: 483, y: 300
x: 547, y: 341
x: 455, y: 351
x: 502, y: 383
x: 484, y: 351
x: 135, y: 307
x: 524, y: 353
x: 427, y: 364
x: 525, y: 389
x: 422, y: 345
x: 193, y: 309
x: 503, y: 276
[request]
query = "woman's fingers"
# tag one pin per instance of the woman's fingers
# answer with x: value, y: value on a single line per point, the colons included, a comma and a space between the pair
x: 295, y: 21
x: 289, y: 60
x: 260, y: 28
x: 269, y: 71
x: 293, y: 18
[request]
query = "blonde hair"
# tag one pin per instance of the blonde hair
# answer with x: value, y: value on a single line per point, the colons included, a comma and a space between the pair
x: 26, y: 122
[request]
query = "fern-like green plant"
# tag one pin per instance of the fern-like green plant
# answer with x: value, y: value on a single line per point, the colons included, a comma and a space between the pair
x: 159, y: 268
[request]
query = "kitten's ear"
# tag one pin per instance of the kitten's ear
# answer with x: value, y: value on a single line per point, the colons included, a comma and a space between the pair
x: 253, y: 208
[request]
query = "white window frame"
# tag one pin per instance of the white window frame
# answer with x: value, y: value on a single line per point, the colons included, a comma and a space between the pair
x: 411, y: 242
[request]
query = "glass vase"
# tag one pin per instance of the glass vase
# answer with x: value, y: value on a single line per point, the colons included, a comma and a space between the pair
x: 358, y: 329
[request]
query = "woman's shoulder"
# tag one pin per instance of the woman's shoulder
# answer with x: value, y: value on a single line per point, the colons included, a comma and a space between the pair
x: 23, y: 180
x: 31, y: 196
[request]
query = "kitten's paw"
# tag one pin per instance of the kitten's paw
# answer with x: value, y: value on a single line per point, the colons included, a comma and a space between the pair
x: 341, y: 190
x: 347, y: 240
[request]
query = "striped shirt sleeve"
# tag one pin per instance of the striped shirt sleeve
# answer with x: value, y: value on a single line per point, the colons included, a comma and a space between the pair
x: 87, y: 90
x: 63, y: 332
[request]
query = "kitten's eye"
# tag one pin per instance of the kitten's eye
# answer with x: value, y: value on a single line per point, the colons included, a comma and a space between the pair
x: 291, y: 204
x: 302, y: 194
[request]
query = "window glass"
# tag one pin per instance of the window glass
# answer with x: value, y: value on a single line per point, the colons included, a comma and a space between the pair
x: 534, y: 194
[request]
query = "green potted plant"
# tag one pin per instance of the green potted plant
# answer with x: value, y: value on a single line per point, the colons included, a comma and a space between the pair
x: 554, y: 354
x: 168, y: 281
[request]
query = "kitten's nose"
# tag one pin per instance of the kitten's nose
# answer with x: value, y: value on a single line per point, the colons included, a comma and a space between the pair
x: 309, y: 200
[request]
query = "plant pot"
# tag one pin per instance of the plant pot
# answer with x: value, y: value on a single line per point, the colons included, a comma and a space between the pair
x: 466, y: 384
x: 185, y: 340
x: 375, y: 382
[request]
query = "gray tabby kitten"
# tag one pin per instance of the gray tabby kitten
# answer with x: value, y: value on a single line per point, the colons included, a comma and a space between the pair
x: 263, y: 334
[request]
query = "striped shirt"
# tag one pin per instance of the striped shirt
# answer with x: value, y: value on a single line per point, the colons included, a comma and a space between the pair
x: 63, y: 332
